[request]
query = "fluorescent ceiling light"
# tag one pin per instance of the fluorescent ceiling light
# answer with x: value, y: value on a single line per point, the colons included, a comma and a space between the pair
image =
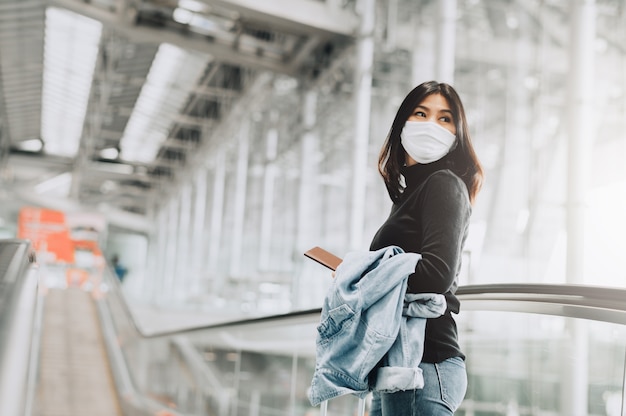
x: 70, y: 55
x: 173, y: 76
x: 201, y: 24
x: 32, y: 145
x: 110, y: 153
x: 182, y: 16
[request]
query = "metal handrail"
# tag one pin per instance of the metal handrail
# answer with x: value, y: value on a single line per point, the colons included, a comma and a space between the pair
x: 19, y: 323
x: 606, y: 304
x: 576, y: 301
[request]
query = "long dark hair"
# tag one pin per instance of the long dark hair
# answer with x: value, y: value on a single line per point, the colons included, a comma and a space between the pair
x: 462, y: 160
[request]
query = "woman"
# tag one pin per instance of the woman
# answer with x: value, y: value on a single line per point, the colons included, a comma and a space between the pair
x: 432, y: 175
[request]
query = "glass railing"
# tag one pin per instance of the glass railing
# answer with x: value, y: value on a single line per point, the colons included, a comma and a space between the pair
x: 544, y: 349
x: 531, y: 350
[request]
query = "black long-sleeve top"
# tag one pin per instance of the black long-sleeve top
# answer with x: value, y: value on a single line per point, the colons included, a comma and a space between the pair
x: 432, y: 218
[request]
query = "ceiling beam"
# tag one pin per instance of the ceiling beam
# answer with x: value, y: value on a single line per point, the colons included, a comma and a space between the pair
x: 314, y: 17
x: 185, y: 40
x: 137, y: 81
x: 41, y: 160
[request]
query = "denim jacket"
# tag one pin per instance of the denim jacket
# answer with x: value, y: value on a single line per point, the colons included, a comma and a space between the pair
x: 367, y: 322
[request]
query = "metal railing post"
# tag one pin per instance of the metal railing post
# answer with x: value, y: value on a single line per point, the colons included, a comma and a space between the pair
x: 361, y: 411
x: 324, y: 408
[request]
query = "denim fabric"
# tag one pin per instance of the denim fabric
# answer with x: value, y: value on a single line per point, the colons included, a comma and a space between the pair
x: 400, y: 366
x: 445, y: 385
x: 358, y: 322
x: 361, y: 320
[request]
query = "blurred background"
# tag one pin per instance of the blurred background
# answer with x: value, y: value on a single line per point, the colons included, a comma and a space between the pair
x: 212, y: 142
x: 196, y: 149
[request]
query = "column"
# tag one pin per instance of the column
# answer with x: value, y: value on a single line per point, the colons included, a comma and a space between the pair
x: 574, y: 398
x: 423, y: 54
x: 446, y: 41
x: 183, y: 238
x: 171, y: 245
x: 391, y: 32
x: 239, y: 208
x: 159, y: 260
x: 580, y: 132
x: 147, y: 288
x: 215, y: 225
x: 362, y: 105
x: 269, y: 178
x: 308, y: 214
x: 198, y: 231
x: 307, y: 221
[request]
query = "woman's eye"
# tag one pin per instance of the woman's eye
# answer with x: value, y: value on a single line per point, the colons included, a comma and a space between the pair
x: 419, y: 114
x: 446, y: 119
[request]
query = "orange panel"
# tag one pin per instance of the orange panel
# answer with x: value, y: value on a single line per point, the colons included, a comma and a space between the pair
x: 46, y: 229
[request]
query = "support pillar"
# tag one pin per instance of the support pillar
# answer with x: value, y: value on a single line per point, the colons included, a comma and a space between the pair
x: 574, y: 399
x: 182, y: 268
x: 158, y: 251
x: 446, y: 41
x: 198, y: 245
x: 171, y: 248
x: 362, y: 105
x: 308, y: 220
x: 239, y: 208
x: 422, y: 56
x: 308, y: 215
x: 269, y: 179
x: 215, y: 226
x: 580, y: 133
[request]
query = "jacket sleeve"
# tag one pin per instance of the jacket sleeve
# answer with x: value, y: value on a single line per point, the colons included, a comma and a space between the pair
x: 444, y: 212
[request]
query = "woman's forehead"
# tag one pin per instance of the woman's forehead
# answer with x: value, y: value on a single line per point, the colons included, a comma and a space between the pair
x: 435, y: 101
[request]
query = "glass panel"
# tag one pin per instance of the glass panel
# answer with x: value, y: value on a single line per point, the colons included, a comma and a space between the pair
x: 518, y: 364
x: 523, y: 364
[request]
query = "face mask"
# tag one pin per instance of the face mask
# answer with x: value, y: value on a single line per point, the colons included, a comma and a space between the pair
x: 426, y: 141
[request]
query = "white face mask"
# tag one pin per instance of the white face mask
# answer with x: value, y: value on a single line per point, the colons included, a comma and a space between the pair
x: 426, y: 141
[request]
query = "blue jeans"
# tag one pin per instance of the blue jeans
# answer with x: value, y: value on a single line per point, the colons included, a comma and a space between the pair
x: 445, y: 384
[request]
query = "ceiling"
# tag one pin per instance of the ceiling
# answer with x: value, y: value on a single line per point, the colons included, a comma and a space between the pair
x: 107, y: 104
x: 103, y: 103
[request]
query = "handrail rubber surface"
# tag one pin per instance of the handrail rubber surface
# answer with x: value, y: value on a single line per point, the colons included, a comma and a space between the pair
x: 529, y: 298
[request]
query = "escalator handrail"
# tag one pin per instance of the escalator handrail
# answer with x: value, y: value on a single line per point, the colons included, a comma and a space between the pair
x: 19, y: 329
x: 577, y: 301
x: 586, y: 292
x: 605, y: 304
